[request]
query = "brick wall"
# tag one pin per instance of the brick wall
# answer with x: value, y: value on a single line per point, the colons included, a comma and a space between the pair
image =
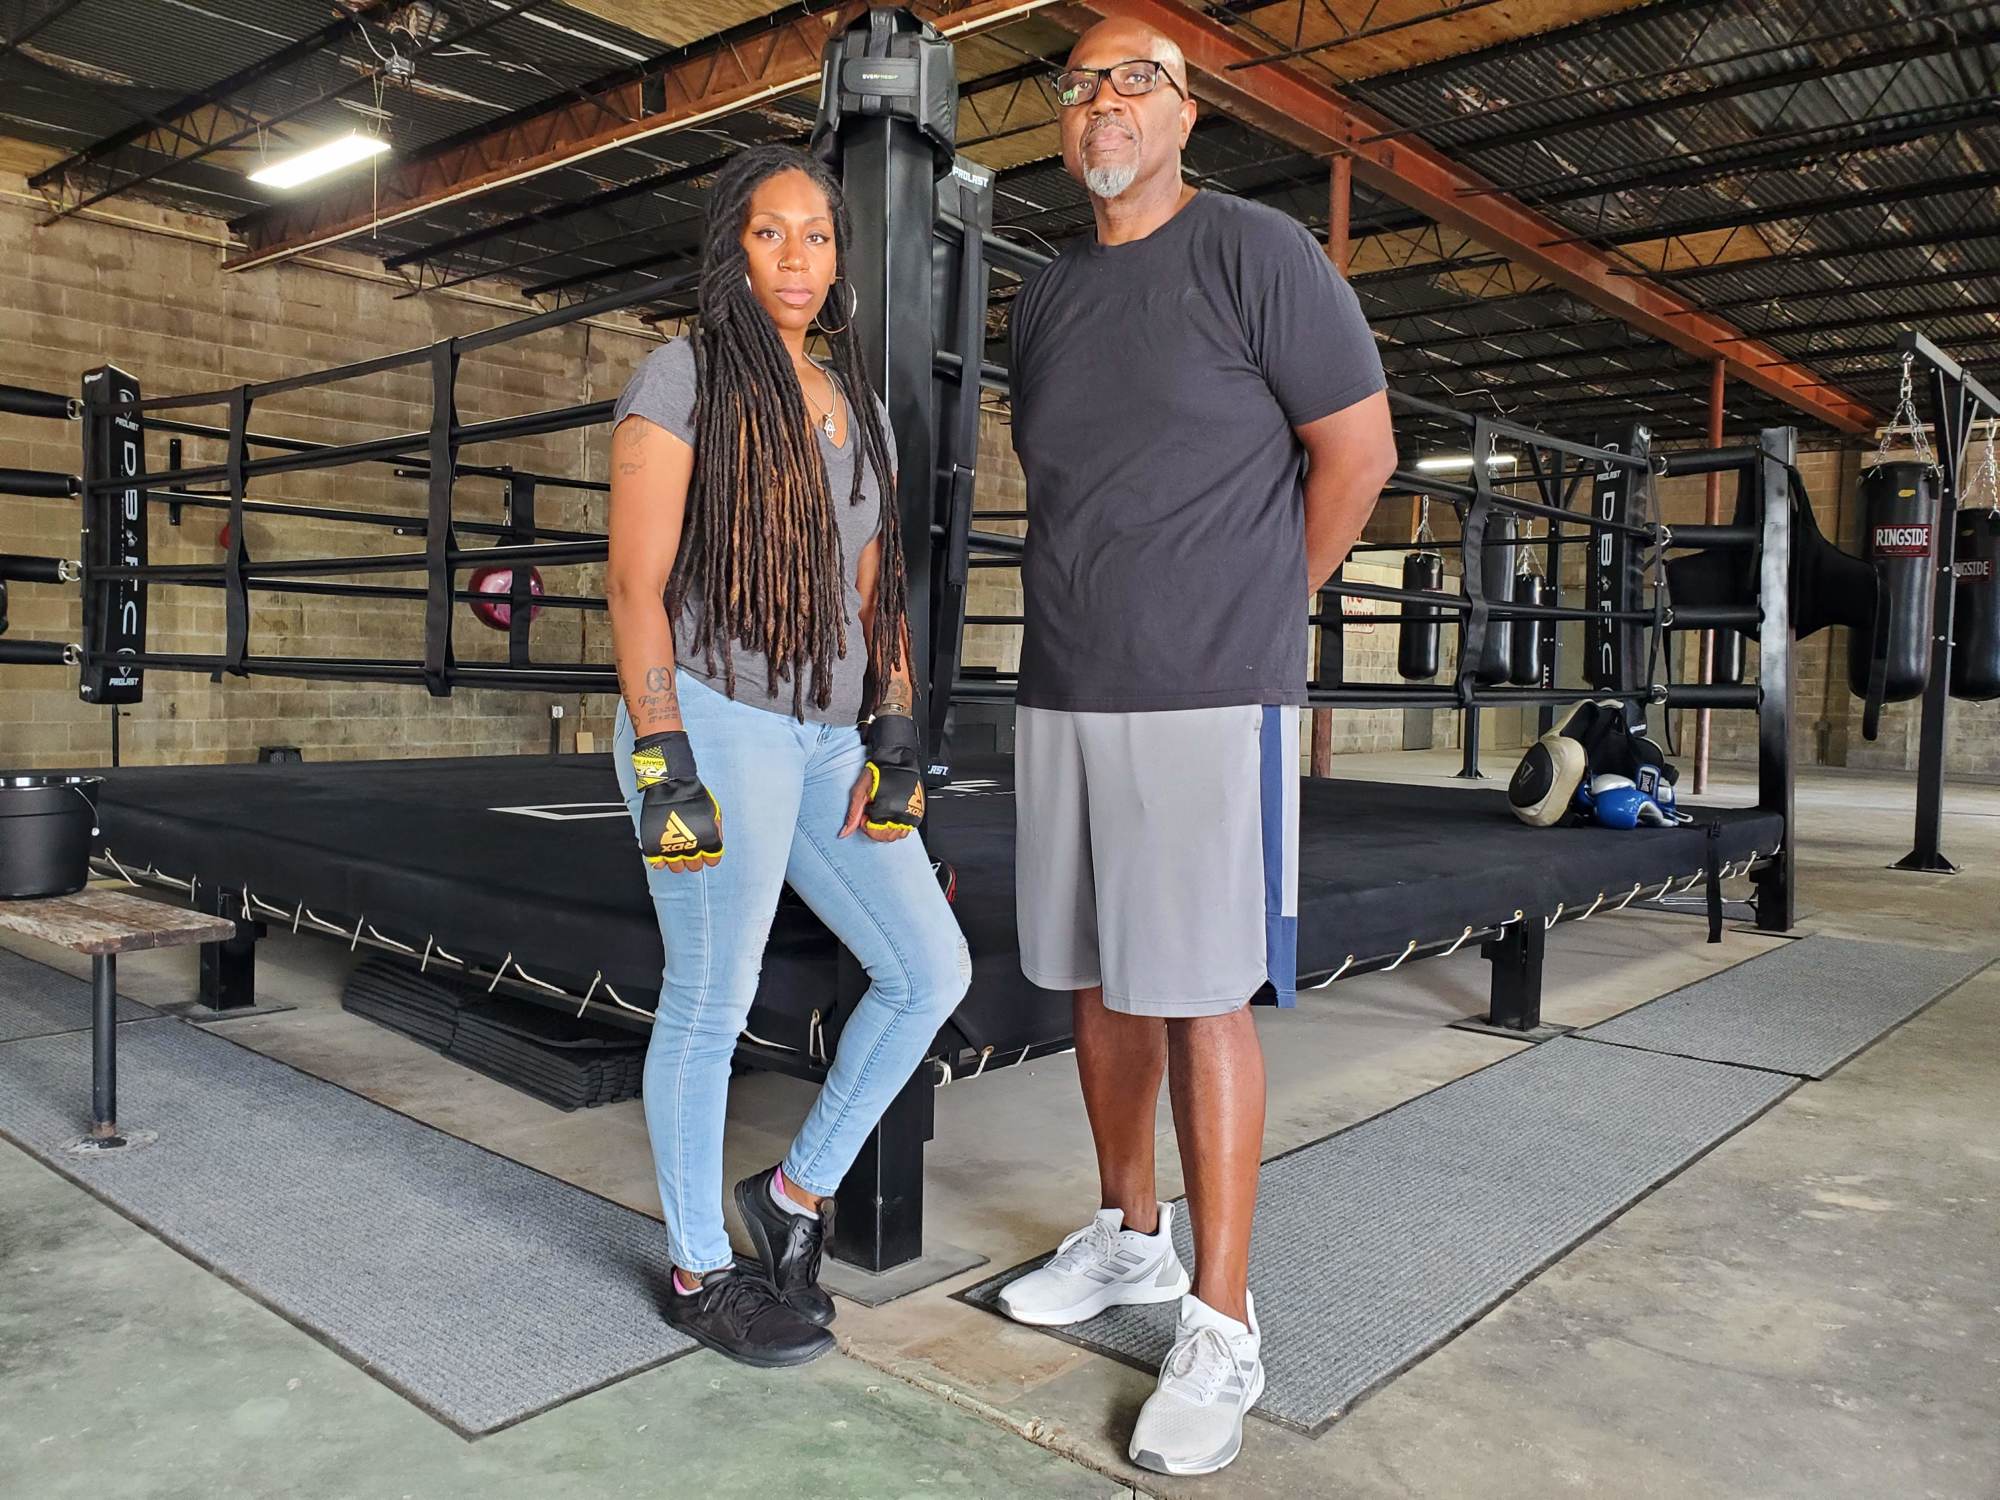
x: 149, y: 295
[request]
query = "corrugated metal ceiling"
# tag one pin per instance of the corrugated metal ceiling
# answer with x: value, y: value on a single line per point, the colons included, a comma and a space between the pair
x: 1692, y: 113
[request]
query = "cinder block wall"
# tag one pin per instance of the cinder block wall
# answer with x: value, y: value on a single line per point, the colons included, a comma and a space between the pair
x: 149, y: 295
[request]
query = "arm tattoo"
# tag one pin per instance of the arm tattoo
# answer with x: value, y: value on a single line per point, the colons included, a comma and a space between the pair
x: 635, y: 457
x: 660, y: 700
x: 896, y: 697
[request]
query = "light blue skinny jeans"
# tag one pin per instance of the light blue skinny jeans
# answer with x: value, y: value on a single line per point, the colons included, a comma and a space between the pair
x: 783, y: 787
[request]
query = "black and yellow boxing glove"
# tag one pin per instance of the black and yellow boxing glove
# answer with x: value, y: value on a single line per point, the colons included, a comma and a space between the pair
x: 679, y: 818
x: 895, y: 775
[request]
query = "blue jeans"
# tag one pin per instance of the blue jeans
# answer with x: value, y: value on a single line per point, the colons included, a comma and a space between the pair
x: 783, y: 788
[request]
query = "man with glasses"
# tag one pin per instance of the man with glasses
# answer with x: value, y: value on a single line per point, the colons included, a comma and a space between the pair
x: 1199, y: 409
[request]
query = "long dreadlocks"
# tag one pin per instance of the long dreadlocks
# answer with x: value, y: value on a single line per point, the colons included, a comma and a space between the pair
x: 760, y: 552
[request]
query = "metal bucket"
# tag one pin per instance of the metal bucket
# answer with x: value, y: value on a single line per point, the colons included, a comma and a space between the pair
x: 47, y: 823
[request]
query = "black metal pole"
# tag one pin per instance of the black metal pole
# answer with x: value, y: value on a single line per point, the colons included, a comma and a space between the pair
x: 1545, y: 716
x: 1948, y: 418
x: 1777, y: 891
x: 104, y: 1047
x: 888, y: 182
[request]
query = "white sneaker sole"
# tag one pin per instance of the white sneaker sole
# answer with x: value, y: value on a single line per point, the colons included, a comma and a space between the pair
x: 1222, y: 1458
x: 1116, y: 1294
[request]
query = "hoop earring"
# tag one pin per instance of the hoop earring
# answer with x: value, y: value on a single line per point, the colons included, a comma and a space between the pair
x: 853, y: 306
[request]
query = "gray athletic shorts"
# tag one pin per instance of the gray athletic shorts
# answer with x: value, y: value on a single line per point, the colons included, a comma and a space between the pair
x: 1158, y: 855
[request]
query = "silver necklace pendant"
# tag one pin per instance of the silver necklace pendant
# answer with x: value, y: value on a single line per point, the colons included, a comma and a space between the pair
x: 826, y: 426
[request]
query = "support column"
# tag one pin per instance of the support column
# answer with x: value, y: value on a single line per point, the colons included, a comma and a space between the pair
x: 1339, y: 248
x: 1516, y: 955
x: 878, y: 1219
x: 887, y: 120
x: 1713, y: 515
x: 888, y: 108
x: 1776, y: 882
x: 229, y: 968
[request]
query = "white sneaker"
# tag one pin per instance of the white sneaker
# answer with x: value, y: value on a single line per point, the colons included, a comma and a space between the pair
x: 1193, y: 1424
x: 1102, y: 1265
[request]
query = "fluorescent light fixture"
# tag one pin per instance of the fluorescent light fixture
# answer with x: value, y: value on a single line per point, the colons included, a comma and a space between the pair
x: 1461, y: 463
x: 318, y: 162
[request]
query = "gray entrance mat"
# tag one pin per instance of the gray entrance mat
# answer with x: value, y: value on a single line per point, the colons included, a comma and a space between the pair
x: 482, y: 1290
x: 36, y: 1000
x: 1373, y: 1247
x: 1802, y: 1009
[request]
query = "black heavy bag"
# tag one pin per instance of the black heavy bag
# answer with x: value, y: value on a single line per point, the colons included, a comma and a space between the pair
x: 1975, y: 621
x: 1417, y: 636
x: 1899, y: 509
x: 1496, y: 574
x: 1526, y: 665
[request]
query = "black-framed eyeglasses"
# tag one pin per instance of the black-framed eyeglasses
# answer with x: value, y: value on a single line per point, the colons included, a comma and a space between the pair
x: 1130, y: 79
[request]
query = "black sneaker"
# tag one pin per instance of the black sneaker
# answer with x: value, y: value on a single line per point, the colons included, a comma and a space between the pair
x: 790, y: 1245
x: 738, y: 1314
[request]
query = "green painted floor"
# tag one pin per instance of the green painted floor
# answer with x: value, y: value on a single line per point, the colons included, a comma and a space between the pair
x: 128, y: 1371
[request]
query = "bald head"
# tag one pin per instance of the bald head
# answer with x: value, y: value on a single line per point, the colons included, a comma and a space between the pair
x: 1120, y: 39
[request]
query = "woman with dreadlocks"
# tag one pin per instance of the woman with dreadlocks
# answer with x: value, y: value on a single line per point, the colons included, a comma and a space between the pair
x: 757, y: 609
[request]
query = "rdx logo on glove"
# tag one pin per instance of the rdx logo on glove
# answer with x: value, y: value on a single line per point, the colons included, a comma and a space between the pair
x: 680, y: 822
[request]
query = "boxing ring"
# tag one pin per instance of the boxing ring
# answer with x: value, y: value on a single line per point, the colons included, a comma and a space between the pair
x: 520, y: 872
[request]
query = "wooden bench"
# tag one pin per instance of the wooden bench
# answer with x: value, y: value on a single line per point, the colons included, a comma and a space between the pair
x: 104, y: 924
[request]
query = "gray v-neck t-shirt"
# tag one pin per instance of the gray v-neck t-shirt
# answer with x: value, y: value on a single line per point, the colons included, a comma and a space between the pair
x: 662, y: 391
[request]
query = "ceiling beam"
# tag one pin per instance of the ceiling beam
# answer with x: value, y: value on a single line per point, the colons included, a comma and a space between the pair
x: 191, y: 128
x: 1461, y: 63
x: 1931, y: 241
x: 752, y: 64
x: 1947, y: 39
x: 1315, y: 118
x: 1811, y: 208
x: 35, y: 24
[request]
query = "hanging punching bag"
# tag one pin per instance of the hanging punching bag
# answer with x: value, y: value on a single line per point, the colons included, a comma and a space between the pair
x: 1496, y: 572
x: 1899, y: 506
x: 1526, y: 663
x: 1975, y: 623
x: 1417, y: 636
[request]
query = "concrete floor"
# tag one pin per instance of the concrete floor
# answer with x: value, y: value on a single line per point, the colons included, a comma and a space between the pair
x: 1808, y: 1311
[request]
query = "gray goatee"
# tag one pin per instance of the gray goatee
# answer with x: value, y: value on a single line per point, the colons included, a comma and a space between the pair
x: 1109, y: 182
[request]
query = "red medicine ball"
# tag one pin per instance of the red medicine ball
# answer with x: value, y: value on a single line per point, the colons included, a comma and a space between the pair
x: 499, y: 613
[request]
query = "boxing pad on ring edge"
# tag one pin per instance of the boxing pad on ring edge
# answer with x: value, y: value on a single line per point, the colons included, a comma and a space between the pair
x: 1545, y: 782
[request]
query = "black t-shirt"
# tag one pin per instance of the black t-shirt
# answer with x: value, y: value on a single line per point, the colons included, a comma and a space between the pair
x: 1155, y: 388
